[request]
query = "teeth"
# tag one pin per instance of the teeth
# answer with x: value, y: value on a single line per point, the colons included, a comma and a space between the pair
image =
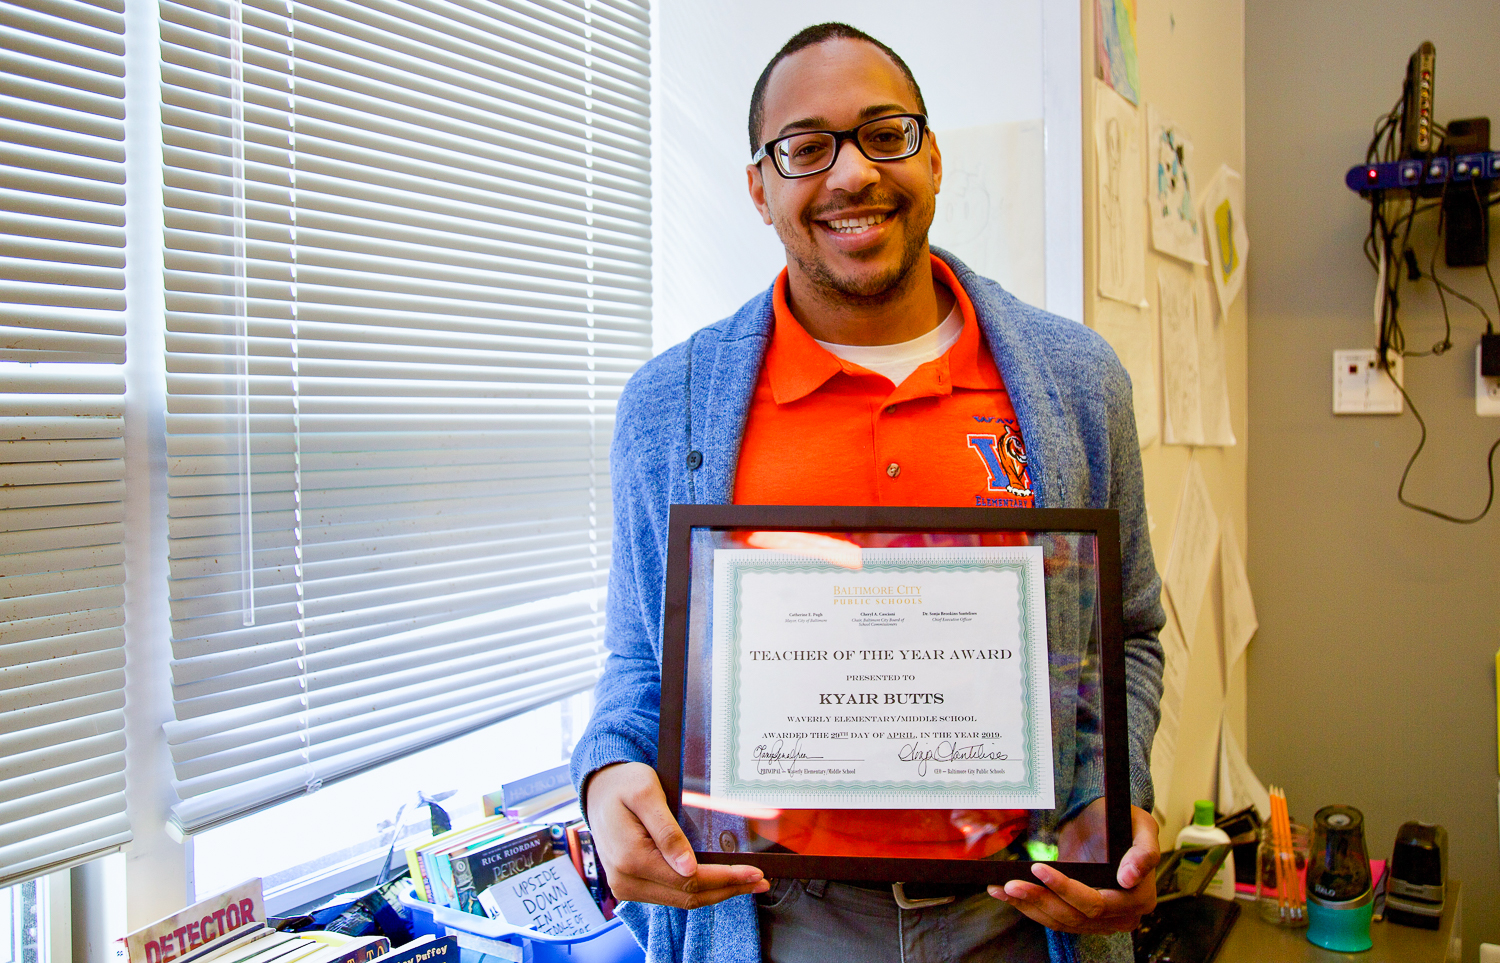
x: 849, y: 225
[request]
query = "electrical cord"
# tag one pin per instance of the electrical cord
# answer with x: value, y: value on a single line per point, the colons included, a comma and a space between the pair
x: 1421, y: 442
x: 1387, y: 247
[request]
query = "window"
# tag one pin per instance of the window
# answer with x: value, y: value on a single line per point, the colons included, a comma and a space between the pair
x: 407, y: 272
x: 62, y: 326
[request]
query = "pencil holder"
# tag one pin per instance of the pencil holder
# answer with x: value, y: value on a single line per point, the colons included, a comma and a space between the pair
x: 1275, y: 906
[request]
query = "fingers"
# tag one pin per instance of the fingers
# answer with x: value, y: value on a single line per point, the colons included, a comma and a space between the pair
x: 670, y: 840
x: 1140, y: 861
x: 1067, y: 905
x: 645, y: 853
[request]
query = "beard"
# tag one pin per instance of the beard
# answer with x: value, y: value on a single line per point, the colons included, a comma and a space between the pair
x: 859, y: 289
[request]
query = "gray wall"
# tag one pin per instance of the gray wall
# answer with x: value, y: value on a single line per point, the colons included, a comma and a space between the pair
x: 1371, y: 680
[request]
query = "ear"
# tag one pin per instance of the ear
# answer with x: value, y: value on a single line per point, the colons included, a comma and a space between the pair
x: 757, y: 187
x: 936, y: 162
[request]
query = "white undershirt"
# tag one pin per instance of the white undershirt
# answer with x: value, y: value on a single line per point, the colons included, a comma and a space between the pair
x: 898, y: 361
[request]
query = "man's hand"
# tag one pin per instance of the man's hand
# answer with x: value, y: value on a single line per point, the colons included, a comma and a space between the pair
x: 1069, y: 906
x: 645, y: 853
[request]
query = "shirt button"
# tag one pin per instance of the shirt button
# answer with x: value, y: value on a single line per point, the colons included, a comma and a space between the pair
x: 893, y: 469
x: 890, y: 409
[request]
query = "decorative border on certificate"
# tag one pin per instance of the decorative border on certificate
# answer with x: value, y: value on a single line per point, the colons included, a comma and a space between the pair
x: 910, y: 678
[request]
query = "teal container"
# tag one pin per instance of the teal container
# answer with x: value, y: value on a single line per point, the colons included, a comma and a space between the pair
x: 1340, y: 899
x: 1341, y: 927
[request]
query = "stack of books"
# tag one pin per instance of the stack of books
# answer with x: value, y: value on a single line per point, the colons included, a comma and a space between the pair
x: 531, y: 862
x: 231, y: 928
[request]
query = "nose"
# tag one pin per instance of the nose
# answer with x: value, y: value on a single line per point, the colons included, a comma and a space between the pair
x: 852, y: 171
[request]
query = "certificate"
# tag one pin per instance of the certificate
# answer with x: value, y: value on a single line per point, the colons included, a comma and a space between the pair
x: 888, y: 678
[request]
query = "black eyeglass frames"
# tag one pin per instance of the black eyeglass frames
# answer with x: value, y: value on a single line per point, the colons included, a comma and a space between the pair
x: 808, y: 152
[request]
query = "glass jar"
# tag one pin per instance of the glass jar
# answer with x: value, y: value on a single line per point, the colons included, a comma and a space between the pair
x: 1268, y: 898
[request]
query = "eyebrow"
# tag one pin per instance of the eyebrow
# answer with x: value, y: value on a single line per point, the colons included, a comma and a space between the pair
x: 821, y: 123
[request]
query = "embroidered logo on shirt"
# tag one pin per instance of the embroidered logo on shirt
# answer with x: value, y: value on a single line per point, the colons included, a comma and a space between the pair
x: 1005, y: 460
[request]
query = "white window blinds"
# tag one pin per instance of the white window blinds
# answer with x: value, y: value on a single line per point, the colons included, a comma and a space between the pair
x: 408, y: 271
x: 62, y: 299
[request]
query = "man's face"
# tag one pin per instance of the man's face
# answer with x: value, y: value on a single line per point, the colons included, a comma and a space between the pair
x: 857, y: 230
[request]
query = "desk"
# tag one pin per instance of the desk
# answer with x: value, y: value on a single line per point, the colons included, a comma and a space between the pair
x: 1255, y: 941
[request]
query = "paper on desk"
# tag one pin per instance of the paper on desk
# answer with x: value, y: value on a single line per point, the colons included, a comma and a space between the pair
x: 1213, y: 377
x: 1194, y: 542
x: 1176, y: 658
x: 1182, y: 396
x: 1240, y: 622
x: 1238, y: 785
x: 1130, y: 332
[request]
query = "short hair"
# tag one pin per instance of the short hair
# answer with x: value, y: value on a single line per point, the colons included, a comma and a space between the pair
x: 808, y: 37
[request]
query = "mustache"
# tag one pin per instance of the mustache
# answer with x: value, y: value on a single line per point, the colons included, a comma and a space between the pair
x: 865, y: 198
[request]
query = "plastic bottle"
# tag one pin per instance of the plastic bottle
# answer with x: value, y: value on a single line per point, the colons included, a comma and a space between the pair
x: 1202, y: 832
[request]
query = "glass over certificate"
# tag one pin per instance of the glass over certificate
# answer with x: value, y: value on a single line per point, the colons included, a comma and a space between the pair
x: 895, y: 694
x: 890, y: 678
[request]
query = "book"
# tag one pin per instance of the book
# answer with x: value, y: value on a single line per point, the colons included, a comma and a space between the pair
x: 425, y: 949
x: 356, y: 950
x: 416, y: 856
x: 205, y: 926
x: 540, y: 805
x: 485, y: 864
x: 549, y: 898
x: 522, y: 790
x: 574, y: 852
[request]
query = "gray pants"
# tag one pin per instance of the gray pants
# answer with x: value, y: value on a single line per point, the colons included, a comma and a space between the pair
x: 817, y: 921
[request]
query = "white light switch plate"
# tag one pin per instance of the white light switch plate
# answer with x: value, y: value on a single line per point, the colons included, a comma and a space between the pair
x: 1486, y: 391
x: 1360, y: 387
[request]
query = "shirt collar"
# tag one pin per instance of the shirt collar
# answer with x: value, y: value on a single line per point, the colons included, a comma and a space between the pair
x: 796, y: 365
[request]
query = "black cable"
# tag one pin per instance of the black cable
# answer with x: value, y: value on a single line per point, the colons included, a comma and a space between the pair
x: 1401, y: 489
x: 1488, y: 327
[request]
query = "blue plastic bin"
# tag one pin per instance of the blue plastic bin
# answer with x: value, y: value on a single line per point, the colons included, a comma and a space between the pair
x: 482, y: 940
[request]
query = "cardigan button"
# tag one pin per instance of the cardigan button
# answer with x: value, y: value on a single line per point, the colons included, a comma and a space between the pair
x: 893, y: 469
x: 728, y: 842
x: 694, y: 460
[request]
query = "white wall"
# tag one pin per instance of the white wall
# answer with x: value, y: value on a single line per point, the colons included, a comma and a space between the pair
x: 979, y: 62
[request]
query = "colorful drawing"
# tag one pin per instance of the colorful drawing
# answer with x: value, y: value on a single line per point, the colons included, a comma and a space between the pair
x: 1174, y: 213
x: 1115, y: 60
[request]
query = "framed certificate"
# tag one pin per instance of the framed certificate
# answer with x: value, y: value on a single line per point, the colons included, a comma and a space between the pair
x: 895, y: 694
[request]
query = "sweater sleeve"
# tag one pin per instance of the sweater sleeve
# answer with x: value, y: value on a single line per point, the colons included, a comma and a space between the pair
x: 627, y: 699
x: 1140, y: 589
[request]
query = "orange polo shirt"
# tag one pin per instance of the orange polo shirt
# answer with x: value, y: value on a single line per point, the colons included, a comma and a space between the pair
x: 824, y: 431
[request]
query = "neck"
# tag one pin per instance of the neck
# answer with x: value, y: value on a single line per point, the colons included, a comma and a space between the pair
x: 914, y: 306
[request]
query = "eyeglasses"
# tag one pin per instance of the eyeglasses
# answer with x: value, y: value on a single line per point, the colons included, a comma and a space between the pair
x: 809, y: 152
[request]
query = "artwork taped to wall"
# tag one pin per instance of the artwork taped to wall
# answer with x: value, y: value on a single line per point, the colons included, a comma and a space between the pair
x: 1223, y: 217
x: 1176, y: 658
x: 1240, y: 621
x: 1120, y: 232
x: 1174, y: 213
x: 1130, y: 331
x: 991, y: 211
x: 1213, y: 375
x: 1115, y: 60
x: 1195, y: 545
x: 1182, y: 395
x: 1238, y: 785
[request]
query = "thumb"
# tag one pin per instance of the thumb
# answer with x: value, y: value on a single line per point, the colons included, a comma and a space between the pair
x: 670, y: 840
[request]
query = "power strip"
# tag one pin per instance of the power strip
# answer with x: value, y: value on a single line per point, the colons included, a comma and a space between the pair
x: 1426, y: 176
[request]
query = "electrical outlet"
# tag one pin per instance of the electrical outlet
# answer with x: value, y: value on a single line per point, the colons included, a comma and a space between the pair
x: 1486, y: 390
x: 1362, y: 387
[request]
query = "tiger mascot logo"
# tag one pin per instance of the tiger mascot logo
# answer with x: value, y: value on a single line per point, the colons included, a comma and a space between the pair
x: 1005, y: 460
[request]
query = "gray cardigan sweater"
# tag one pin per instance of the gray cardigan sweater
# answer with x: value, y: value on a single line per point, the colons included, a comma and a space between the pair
x: 1073, y: 401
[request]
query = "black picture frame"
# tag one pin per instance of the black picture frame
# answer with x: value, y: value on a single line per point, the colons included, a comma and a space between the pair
x: 1102, y: 524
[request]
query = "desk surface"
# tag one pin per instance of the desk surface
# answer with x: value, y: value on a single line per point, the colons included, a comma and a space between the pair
x: 1255, y: 941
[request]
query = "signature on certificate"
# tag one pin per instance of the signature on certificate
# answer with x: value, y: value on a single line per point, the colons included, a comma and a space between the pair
x: 947, y: 751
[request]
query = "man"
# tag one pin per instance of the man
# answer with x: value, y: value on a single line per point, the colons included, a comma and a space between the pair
x: 859, y: 378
